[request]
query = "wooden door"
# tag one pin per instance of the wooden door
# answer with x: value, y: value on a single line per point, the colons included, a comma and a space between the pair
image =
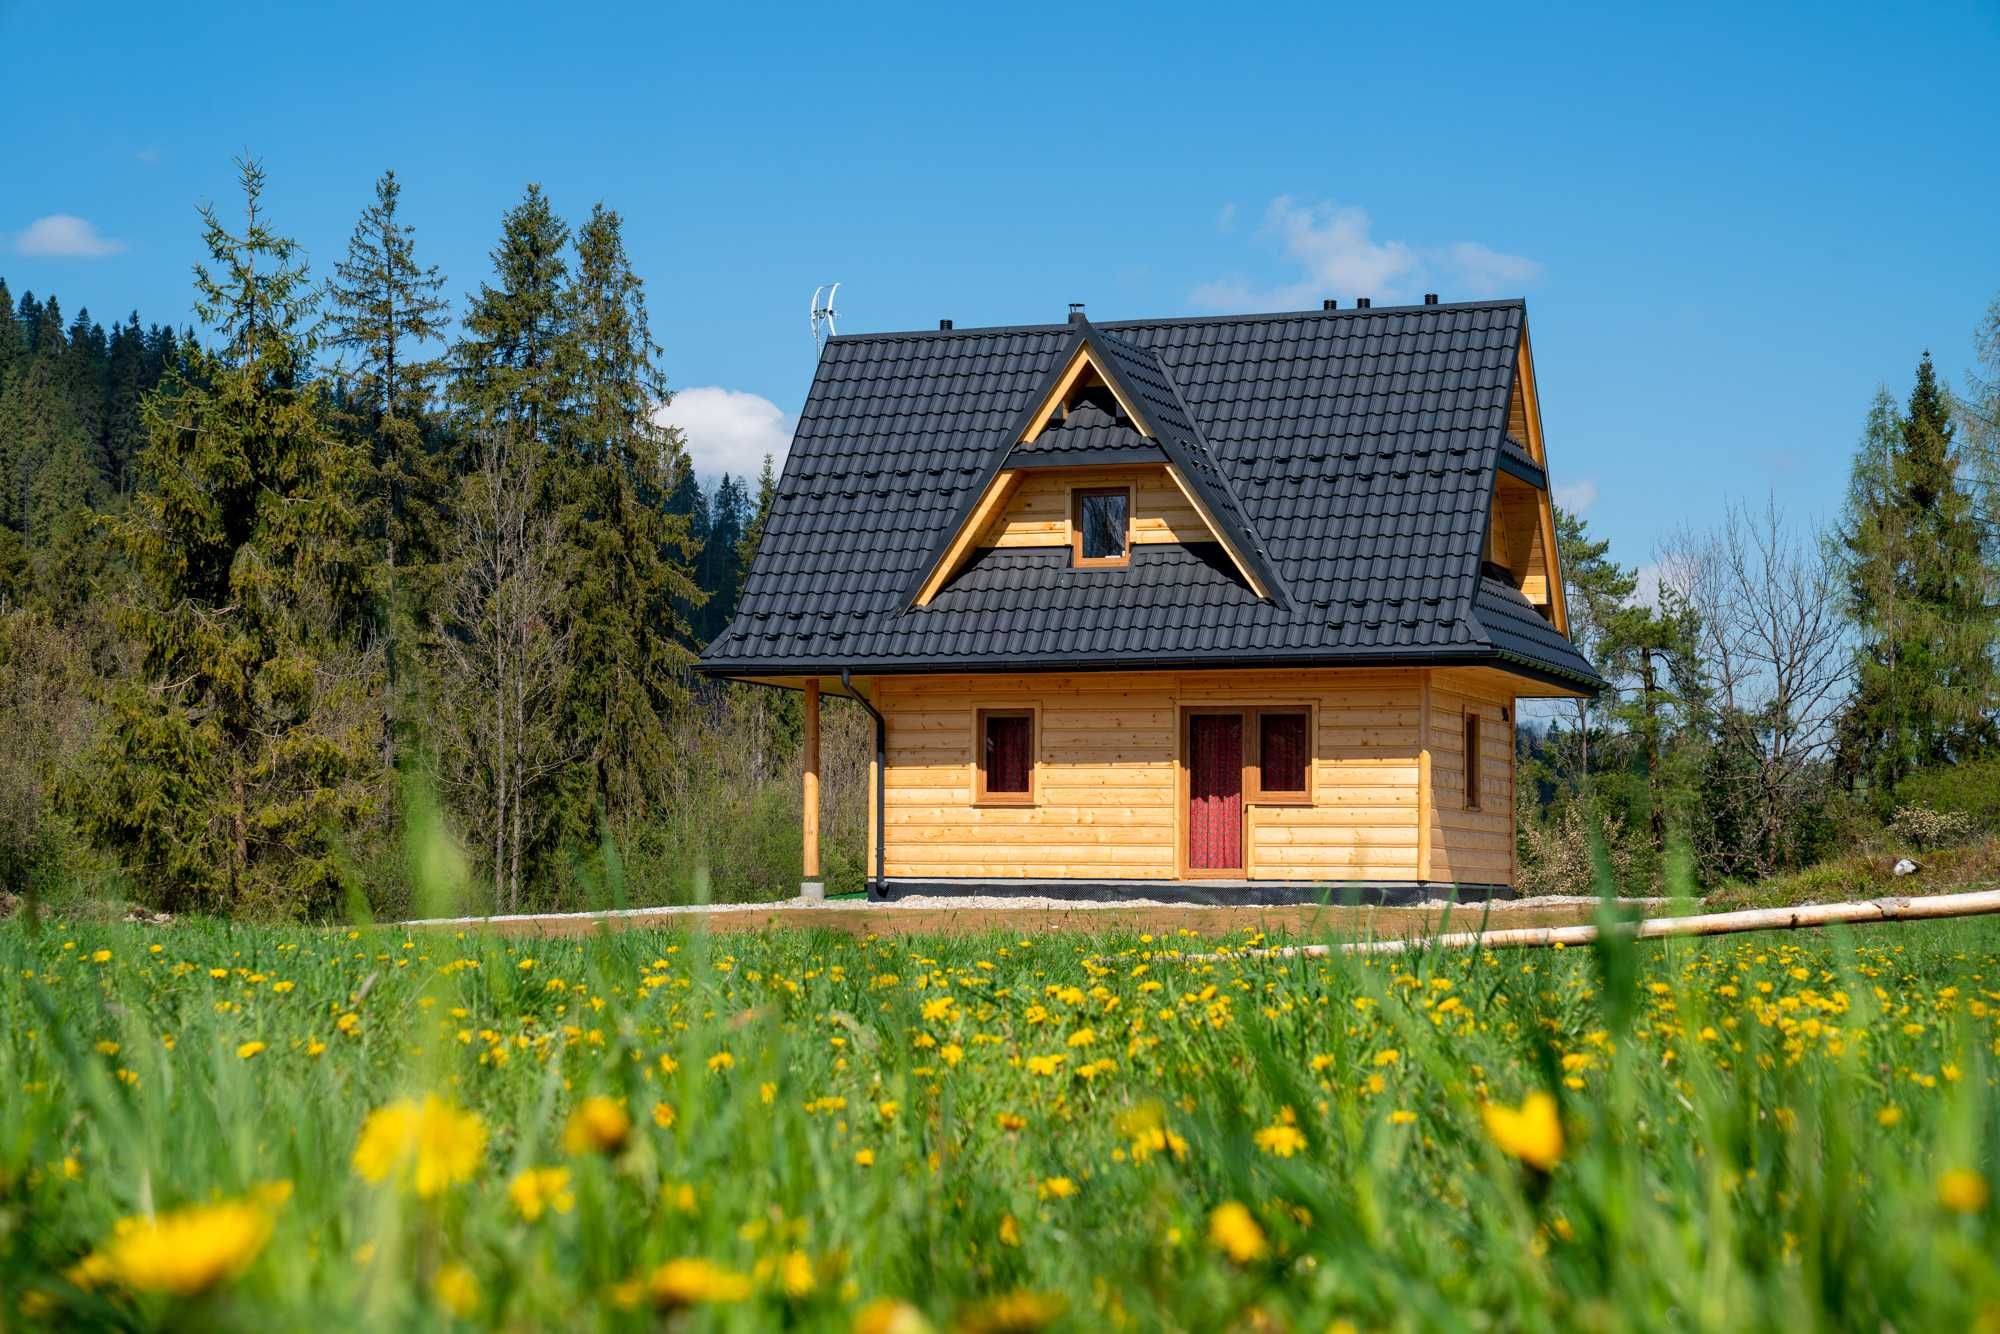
x: 1215, y: 792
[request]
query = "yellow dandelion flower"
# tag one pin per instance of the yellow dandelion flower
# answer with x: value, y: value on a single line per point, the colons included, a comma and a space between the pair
x: 1015, y: 1313
x: 1236, y: 1234
x: 1402, y: 1117
x: 864, y: 1157
x: 795, y: 1275
x: 886, y: 1315
x: 1531, y: 1132
x: 1888, y: 1116
x: 537, y: 1190
x: 248, y: 1049
x: 887, y: 1109
x: 1083, y: 1037
x: 722, y: 1060
x: 1046, y: 1065
x: 1280, y: 1141
x: 952, y: 1054
x: 598, y: 1125
x: 1056, y: 1188
x: 100, y: 956
x: 185, y: 1252
x: 695, y: 1282
x: 428, y: 1146
x: 1963, y: 1191
x: 767, y: 1092
x: 457, y: 1291
x: 1388, y: 1056
x: 1010, y: 1231
x: 663, y: 1115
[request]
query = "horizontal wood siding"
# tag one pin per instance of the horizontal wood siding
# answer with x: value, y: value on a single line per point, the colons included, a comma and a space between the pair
x: 1472, y: 847
x: 1109, y: 803
x: 1038, y: 513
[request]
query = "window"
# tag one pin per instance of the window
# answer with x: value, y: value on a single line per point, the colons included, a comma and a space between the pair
x: 1284, y: 754
x: 1101, y: 527
x: 1277, y: 758
x: 1006, y: 757
x: 1472, y: 761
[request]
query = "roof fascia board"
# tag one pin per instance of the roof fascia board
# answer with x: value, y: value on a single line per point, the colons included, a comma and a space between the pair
x: 1469, y: 657
x: 1523, y: 471
x: 999, y: 490
x: 1524, y: 374
x: 1084, y: 356
x: 1220, y: 534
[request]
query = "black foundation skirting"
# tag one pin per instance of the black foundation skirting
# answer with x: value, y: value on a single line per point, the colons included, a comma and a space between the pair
x: 1205, y: 893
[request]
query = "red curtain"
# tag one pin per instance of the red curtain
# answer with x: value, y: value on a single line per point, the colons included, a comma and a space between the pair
x: 1009, y: 743
x: 1215, y: 792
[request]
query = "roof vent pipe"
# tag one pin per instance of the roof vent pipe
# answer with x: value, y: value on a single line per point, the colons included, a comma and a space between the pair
x: 1430, y: 298
x: 1329, y: 304
x: 944, y: 324
x: 1363, y: 303
x: 1076, y: 312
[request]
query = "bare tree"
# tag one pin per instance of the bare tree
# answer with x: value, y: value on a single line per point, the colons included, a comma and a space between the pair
x: 1775, y: 645
x: 504, y: 646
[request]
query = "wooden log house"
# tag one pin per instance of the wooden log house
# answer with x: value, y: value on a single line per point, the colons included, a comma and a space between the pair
x: 1229, y: 609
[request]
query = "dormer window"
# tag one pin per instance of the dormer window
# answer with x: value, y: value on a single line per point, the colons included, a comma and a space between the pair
x: 1100, y: 527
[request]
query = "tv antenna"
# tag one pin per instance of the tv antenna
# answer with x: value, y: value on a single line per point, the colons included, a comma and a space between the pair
x: 824, y: 313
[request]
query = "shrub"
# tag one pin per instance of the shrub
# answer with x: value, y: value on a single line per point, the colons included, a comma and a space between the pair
x: 1928, y: 828
x: 1971, y: 790
x: 1556, y: 855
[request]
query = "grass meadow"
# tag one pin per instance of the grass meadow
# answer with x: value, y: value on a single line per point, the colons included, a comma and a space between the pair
x: 212, y: 1126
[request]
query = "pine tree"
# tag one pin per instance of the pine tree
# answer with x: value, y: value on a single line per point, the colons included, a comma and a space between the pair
x: 1651, y: 655
x: 1595, y: 589
x: 126, y: 388
x: 1920, y: 590
x: 631, y: 554
x: 722, y: 571
x: 228, y: 770
x: 12, y: 349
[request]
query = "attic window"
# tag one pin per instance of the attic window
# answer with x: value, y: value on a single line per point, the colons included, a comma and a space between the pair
x: 1101, y: 527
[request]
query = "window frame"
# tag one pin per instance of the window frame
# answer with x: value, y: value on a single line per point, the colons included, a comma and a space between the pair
x: 981, y: 795
x: 1077, y: 495
x: 1253, y: 758
x: 1472, y: 759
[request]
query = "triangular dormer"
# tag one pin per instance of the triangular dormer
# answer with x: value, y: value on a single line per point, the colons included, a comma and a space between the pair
x: 1112, y: 409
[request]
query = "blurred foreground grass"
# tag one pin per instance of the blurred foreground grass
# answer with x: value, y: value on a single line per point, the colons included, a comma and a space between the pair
x: 218, y: 1127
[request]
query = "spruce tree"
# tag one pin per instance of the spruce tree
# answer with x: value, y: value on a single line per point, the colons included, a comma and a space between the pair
x: 753, y: 532
x: 512, y: 362
x: 11, y: 348
x: 631, y: 555
x: 387, y: 313
x: 228, y: 770
x: 1920, y: 590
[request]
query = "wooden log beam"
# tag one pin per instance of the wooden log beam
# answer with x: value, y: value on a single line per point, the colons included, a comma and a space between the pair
x: 811, y: 817
x: 1976, y: 904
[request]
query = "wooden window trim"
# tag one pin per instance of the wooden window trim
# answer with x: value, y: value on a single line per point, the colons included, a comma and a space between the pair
x: 1253, y: 746
x: 1077, y: 495
x: 980, y: 796
x: 1471, y: 760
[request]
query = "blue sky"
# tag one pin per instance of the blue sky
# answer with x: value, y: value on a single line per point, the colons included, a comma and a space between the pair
x: 1730, y: 224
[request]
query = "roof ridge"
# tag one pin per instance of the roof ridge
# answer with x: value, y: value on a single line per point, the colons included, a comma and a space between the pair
x: 1174, y: 321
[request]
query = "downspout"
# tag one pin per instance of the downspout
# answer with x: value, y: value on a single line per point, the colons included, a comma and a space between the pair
x: 881, y: 887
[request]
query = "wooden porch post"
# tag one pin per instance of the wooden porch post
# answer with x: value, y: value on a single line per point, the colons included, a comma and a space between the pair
x: 812, y: 888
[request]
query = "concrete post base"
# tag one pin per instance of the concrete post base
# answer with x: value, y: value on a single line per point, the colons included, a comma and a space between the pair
x: 812, y: 889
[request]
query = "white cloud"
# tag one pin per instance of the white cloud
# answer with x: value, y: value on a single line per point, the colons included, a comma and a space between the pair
x: 1577, y: 496
x: 63, y: 235
x: 729, y: 430
x: 1336, y: 249
x: 1650, y: 578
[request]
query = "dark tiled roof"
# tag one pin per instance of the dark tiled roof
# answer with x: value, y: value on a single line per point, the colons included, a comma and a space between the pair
x: 1087, y: 435
x: 1514, y: 627
x: 1355, y: 450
